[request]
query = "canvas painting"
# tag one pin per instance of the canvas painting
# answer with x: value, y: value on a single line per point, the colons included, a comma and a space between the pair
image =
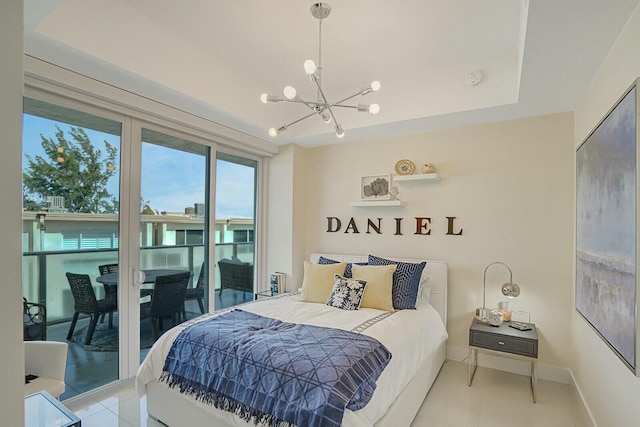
x: 606, y: 229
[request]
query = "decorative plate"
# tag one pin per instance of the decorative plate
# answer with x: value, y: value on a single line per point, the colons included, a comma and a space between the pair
x: 405, y: 167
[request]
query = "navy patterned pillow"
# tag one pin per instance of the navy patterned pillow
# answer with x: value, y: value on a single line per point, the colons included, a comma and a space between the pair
x: 406, y: 281
x: 347, y: 293
x: 347, y: 270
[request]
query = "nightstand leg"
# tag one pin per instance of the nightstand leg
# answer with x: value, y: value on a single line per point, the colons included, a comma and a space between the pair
x: 472, y: 361
x: 534, y: 380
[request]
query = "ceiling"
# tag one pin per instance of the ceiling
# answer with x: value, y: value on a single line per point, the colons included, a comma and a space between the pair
x: 215, y: 58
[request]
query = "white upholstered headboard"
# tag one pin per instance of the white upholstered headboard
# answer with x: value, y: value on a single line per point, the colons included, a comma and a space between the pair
x: 435, y: 271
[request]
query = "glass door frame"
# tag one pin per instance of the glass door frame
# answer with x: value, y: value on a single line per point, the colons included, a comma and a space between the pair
x: 259, y: 220
x: 124, y: 348
x: 133, y: 120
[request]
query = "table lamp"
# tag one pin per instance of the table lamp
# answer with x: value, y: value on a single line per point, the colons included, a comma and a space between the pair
x: 509, y: 289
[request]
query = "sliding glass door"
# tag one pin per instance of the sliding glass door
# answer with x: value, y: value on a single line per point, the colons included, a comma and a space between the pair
x: 236, y: 181
x: 121, y: 210
x: 174, y: 232
x: 71, y: 202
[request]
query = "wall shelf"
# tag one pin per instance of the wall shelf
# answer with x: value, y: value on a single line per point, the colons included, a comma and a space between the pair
x: 377, y: 203
x: 416, y: 177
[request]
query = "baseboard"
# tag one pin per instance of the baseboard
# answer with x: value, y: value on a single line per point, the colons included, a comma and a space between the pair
x: 521, y: 367
x: 583, y: 409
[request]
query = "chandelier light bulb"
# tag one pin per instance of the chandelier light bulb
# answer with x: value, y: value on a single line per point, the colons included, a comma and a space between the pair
x: 290, y: 92
x: 264, y: 98
x: 309, y: 66
x: 374, y: 109
x: 339, y: 131
x: 273, y: 132
x: 375, y: 85
x: 326, y: 117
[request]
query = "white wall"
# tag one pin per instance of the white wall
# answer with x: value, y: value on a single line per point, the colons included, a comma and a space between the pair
x: 285, y: 214
x: 510, y: 185
x: 11, y: 350
x: 610, y: 390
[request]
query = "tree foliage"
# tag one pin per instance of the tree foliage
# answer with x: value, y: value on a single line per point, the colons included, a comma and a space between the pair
x: 146, y: 208
x: 74, y: 169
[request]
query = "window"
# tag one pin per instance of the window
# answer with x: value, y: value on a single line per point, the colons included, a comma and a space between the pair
x: 241, y: 236
x: 78, y: 240
x: 189, y: 237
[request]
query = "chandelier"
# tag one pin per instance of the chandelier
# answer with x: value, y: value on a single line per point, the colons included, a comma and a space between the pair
x: 320, y: 106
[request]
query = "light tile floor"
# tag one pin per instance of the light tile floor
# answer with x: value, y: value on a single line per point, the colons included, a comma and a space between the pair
x: 495, y: 399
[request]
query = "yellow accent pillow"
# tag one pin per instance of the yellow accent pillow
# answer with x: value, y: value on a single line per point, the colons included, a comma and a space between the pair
x: 318, y: 280
x: 378, y: 293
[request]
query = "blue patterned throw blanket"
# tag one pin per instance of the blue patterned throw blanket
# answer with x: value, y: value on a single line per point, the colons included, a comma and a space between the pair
x: 275, y: 373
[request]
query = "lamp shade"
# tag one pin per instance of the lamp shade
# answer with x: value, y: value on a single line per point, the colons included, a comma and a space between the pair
x: 510, y: 290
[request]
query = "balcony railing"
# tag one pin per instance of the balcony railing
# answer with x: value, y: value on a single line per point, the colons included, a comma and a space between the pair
x: 44, y: 280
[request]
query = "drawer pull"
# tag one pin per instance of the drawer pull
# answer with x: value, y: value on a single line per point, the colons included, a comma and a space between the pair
x: 500, y: 343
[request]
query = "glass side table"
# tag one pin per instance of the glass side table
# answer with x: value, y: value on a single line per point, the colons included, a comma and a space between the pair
x: 265, y: 294
x: 43, y: 410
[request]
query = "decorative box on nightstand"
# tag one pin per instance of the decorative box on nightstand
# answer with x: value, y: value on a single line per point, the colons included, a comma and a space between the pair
x: 503, y: 341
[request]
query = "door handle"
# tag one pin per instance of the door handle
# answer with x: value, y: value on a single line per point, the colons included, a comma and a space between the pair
x: 138, y: 277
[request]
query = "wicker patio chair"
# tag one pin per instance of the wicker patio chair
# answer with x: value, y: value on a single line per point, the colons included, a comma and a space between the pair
x: 196, y: 292
x: 85, y: 302
x: 235, y: 275
x: 110, y: 290
x: 167, y: 300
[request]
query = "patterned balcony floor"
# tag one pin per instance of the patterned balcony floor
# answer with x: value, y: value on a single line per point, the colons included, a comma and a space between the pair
x: 91, y: 367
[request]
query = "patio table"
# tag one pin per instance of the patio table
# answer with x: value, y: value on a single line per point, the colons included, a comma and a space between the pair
x: 149, y: 275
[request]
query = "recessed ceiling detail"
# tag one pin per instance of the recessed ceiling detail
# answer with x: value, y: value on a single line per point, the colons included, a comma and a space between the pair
x: 215, y: 58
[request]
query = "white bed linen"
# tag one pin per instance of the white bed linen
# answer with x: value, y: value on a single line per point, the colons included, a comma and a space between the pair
x: 410, y: 335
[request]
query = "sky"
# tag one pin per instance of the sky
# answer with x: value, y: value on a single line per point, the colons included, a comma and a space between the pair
x: 171, y: 179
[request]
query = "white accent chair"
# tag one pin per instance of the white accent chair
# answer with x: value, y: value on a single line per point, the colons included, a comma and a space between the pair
x: 48, y: 361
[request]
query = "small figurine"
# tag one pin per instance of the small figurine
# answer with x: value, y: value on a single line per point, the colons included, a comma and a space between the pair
x: 428, y: 168
x: 394, y: 193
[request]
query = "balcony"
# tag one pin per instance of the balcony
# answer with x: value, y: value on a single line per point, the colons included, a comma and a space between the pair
x: 88, y: 367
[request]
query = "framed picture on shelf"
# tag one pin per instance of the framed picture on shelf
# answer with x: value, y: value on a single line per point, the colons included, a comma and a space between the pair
x: 375, y: 187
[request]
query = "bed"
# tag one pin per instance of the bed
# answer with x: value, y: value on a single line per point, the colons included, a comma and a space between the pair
x: 401, y: 388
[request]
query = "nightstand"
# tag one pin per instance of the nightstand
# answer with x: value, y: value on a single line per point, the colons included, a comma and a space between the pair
x: 503, y: 341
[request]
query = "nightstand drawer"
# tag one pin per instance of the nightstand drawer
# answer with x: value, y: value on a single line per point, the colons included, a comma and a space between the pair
x: 503, y: 343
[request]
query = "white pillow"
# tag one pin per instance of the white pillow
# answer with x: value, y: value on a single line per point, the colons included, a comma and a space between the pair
x: 424, y: 291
